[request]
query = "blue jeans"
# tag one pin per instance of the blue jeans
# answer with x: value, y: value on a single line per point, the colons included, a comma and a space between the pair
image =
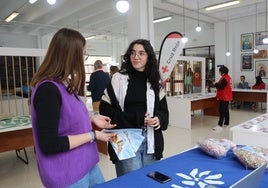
x: 140, y: 160
x: 93, y: 177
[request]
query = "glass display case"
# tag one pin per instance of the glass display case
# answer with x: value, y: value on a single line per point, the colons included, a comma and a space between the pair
x: 188, y: 76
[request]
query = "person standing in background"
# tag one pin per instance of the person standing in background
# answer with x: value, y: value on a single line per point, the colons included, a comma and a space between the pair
x: 113, y: 69
x: 135, y: 100
x: 65, y: 146
x: 188, y: 80
x: 224, y: 95
x: 97, y: 83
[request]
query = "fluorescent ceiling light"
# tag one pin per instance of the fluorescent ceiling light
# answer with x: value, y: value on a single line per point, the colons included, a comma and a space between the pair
x: 222, y: 5
x: 163, y: 19
x: 90, y: 37
x: 11, y: 16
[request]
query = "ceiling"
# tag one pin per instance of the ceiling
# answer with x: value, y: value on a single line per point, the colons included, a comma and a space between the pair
x: 100, y: 17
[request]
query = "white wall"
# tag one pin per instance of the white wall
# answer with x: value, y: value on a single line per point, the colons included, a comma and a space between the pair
x: 116, y: 47
x: 233, y: 62
x: 18, y: 41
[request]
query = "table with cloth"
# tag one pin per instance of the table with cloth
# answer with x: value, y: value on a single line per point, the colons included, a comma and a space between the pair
x: 192, y: 169
x: 16, y: 134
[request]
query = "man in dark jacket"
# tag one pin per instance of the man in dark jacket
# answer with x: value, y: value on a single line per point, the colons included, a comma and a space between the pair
x: 97, y: 84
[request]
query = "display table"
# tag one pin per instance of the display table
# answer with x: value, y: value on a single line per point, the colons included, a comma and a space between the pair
x: 180, y: 107
x: 194, y: 165
x: 253, y: 132
x: 250, y: 95
x: 16, y: 134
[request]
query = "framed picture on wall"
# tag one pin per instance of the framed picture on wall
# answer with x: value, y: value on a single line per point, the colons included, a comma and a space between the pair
x: 247, y: 62
x: 261, y: 55
x: 259, y: 36
x: 247, y: 42
x: 261, y: 67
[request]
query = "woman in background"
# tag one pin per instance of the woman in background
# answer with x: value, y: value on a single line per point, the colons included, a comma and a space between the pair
x: 224, y: 95
x: 258, y: 85
x: 188, y: 80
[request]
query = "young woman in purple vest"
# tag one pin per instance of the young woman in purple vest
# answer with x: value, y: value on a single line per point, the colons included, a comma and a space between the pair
x: 66, y: 150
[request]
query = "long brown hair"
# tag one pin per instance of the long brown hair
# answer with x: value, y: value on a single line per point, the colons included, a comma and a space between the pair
x: 64, y: 61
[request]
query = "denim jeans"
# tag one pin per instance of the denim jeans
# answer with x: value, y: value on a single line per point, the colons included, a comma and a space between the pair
x: 140, y: 160
x: 93, y: 177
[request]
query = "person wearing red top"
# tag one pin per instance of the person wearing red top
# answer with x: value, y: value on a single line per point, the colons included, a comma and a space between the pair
x: 258, y: 85
x: 224, y: 95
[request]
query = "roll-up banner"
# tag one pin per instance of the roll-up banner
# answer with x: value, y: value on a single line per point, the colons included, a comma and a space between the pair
x: 171, y: 49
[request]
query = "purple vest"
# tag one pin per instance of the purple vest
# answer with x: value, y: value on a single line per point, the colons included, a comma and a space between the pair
x: 63, y: 169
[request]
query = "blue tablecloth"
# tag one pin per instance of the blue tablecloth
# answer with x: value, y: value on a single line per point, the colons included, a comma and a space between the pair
x: 190, y: 165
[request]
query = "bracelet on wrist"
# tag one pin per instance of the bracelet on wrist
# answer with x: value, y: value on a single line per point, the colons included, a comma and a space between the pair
x: 93, y: 136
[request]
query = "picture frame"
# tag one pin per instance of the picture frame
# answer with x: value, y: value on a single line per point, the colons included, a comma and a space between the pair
x: 247, y: 62
x: 247, y: 42
x: 261, y: 68
x: 261, y: 54
x: 259, y: 36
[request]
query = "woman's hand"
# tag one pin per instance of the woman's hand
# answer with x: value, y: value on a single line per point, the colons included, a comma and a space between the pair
x: 152, y: 122
x: 102, y: 122
x: 104, y: 136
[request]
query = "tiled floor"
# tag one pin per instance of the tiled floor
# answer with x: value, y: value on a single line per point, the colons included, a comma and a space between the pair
x: 16, y: 174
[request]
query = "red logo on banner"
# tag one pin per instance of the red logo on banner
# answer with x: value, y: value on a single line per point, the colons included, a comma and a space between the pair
x: 164, y: 69
x: 170, y: 50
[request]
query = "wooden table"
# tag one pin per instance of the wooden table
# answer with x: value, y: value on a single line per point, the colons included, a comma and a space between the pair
x: 16, y: 138
x: 180, y: 107
x: 250, y: 95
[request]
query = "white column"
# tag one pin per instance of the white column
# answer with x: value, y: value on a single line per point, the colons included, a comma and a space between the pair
x: 220, y: 47
x: 140, y: 20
